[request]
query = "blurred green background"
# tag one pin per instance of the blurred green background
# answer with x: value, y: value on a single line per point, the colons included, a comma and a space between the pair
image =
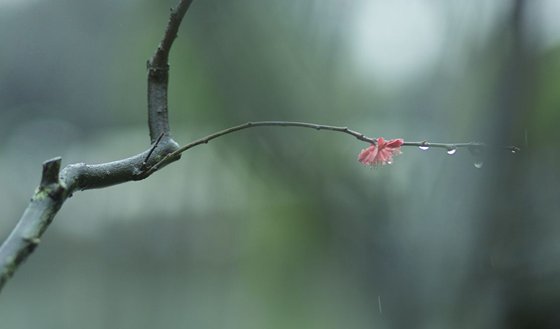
x: 282, y: 227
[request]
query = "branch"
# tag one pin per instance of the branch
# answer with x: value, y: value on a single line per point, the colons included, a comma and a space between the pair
x: 25, y: 237
x: 424, y: 145
x: 158, y: 74
x: 56, y: 186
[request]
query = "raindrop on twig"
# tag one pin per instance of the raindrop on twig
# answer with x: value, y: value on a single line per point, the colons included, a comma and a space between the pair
x: 424, y: 146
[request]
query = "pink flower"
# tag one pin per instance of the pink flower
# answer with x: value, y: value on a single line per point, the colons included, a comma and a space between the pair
x: 382, y: 153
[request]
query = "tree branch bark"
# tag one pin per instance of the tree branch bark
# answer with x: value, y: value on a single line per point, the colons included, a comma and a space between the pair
x: 25, y: 237
x: 158, y: 75
x: 57, y: 186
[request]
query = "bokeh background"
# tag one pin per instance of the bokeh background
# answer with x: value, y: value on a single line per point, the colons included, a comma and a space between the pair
x: 282, y: 227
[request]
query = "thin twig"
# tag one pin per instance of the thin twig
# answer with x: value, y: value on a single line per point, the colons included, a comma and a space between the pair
x: 344, y: 130
x: 454, y: 146
x: 247, y: 125
x: 145, y: 162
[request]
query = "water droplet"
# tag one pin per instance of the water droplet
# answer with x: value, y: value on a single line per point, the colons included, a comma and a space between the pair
x: 478, y: 164
x: 424, y: 146
x: 389, y: 161
x: 451, y: 150
x: 513, y: 151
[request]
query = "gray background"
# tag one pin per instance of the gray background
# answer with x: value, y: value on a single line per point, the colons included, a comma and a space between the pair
x: 282, y: 227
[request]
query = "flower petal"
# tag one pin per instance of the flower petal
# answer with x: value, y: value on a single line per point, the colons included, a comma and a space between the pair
x: 395, y: 143
x: 367, y: 156
x: 382, y: 152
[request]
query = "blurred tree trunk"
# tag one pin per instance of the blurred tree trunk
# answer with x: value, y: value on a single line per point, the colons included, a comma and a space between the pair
x: 510, y: 232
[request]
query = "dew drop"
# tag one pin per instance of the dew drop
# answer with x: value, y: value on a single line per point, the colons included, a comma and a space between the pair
x: 390, y: 162
x: 424, y: 146
x: 451, y: 150
x: 478, y: 164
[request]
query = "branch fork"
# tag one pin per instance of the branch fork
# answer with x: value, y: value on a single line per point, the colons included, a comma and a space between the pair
x: 58, y: 185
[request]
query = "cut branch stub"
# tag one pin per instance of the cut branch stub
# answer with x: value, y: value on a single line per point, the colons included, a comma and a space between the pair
x: 51, y: 169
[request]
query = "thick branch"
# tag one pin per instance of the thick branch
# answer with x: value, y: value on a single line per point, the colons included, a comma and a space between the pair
x: 56, y: 187
x: 158, y: 74
x: 44, y: 205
